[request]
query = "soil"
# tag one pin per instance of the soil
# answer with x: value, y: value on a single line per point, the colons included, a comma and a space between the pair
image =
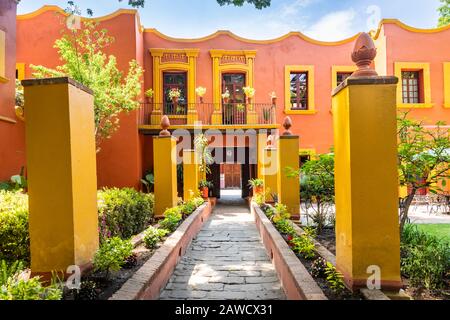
x: 328, y: 239
x: 106, y: 288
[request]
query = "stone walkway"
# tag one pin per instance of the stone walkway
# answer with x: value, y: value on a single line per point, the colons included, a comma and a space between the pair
x: 226, y: 261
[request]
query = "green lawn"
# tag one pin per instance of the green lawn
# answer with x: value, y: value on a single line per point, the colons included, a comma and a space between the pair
x: 439, y: 230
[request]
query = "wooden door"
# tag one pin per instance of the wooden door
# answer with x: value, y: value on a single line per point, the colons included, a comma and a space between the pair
x: 232, y: 174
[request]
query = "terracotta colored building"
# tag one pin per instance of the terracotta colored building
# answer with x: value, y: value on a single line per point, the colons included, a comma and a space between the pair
x: 301, y: 71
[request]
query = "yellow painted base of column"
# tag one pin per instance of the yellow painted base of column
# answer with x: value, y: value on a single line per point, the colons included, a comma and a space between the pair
x: 289, y: 187
x: 262, y: 143
x: 165, y: 172
x: 216, y: 117
x: 192, y: 116
x: 190, y: 174
x: 367, y: 227
x: 62, y: 177
x: 155, y: 117
x: 270, y: 173
x: 252, y: 117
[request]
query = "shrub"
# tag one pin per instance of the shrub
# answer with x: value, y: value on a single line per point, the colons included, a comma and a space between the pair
x: 268, y: 210
x: 284, y: 226
x: 14, y: 235
x: 112, y: 255
x: 198, y: 201
x: 304, y: 246
x: 188, y: 208
x: 172, y: 218
x: 318, y: 268
x: 425, y: 258
x: 334, y: 278
x: 154, y: 235
x: 124, y: 212
x: 87, y: 291
x: 281, y: 213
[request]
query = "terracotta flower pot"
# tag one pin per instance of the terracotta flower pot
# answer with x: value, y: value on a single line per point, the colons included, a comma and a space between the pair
x: 258, y: 190
x: 205, y: 192
x: 274, y: 101
x: 201, y: 99
x: 175, y: 100
x: 225, y: 100
x: 249, y: 100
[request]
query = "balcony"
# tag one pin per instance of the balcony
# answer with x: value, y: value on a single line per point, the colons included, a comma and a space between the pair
x: 211, y: 115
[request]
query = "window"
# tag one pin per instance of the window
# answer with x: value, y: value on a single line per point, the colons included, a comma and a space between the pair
x: 342, y: 76
x: 411, y: 87
x: 299, y: 90
x: 175, y: 80
x: 3, y: 57
x: 414, y: 85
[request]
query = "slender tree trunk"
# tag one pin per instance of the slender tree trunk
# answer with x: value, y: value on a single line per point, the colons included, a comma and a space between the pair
x: 404, y: 211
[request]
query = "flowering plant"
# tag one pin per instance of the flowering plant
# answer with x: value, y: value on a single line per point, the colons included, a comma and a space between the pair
x: 240, y: 107
x: 249, y: 92
x: 200, y: 91
x: 149, y: 93
x: 273, y: 95
x: 226, y: 95
x: 174, y: 93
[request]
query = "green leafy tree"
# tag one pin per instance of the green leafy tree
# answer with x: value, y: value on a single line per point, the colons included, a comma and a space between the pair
x: 259, y: 4
x: 82, y: 52
x: 423, y: 159
x: 444, y: 13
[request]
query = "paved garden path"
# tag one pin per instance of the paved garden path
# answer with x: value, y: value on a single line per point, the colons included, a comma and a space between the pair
x: 226, y: 261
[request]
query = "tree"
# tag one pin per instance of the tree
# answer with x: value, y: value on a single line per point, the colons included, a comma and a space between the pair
x: 82, y: 52
x: 259, y: 4
x: 444, y: 13
x: 317, y: 188
x: 423, y: 159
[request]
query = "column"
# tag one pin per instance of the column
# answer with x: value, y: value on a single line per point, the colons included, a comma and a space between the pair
x: 62, y: 178
x: 365, y: 141
x: 270, y: 173
x: 190, y: 174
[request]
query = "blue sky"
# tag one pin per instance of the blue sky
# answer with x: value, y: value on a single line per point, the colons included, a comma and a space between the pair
x: 326, y: 20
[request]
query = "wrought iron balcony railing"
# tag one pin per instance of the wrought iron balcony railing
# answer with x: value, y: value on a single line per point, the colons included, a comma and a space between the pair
x: 210, y: 113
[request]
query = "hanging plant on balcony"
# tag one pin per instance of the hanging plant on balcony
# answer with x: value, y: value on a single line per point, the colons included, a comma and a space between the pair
x: 273, y: 97
x: 240, y: 107
x: 249, y: 93
x: 174, y: 95
x: 200, y: 91
x: 226, y: 96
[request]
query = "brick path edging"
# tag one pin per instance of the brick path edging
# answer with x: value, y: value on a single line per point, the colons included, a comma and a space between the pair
x: 295, y: 279
x: 153, y: 276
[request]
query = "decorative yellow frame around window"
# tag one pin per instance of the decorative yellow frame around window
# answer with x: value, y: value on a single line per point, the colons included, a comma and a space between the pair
x: 173, y: 60
x: 336, y: 69
x: 229, y: 61
x: 418, y: 66
x: 3, y: 78
x: 287, y: 88
x: 446, y: 84
x: 20, y: 69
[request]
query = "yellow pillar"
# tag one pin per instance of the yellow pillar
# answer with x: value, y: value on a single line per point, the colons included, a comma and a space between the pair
x: 367, y: 228
x: 190, y: 174
x: 270, y: 172
x: 62, y: 186
x: 261, y: 145
x: 165, y: 171
x: 289, y: 187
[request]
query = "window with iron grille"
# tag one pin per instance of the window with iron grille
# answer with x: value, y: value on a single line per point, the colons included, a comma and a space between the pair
x: 411, y: 87
x: 299, y: 90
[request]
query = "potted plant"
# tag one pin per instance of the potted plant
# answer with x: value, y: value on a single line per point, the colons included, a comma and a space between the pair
x: 257, y: 185
x: 240, y: 113
x: 149, y: 95
x: 249, y: 93
x: 204, y: 188
x: 273, y: 97
x: 20, y: 101
x: 174, y: 95
x: 200, y: 91
x: 226, y: 96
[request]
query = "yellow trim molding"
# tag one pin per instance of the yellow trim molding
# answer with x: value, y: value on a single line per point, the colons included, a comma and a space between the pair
x: 407, y: 27
x: 231, y: 61
x: 307, y: 152
x: 446, y: 84
x: 288, y: 69
x: 3, y: 78
x: 174, y: 60
x: 20, y: 68
x: 417, y: 66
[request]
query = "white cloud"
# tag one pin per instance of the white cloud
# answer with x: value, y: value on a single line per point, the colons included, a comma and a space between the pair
x: 293, y: 8
x: 334, y: 26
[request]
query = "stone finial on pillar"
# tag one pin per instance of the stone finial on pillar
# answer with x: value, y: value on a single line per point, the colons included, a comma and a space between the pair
x: 287, y: 124
x: 270, y: 142
x: 165, y: 124
x: 363, y: 55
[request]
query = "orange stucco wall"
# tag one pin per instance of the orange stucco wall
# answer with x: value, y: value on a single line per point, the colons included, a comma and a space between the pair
x: 119, y: 161
x: 12, y: 137
x: 124, y: 157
